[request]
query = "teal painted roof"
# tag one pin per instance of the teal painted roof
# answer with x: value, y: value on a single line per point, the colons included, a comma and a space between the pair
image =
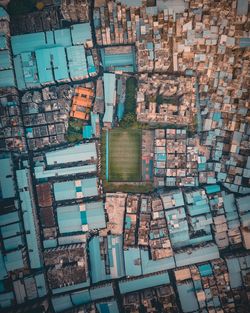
x: 81, y: 33
x: 244, y: 42
x: 13, y: 243
x: 80, y: 297
x: 187, y: 297
x: 3, y: 41
x: 62, y: 37
x: 109, y: 96
x: 107, y: 307
x: 10, y: 230
x: 77, y: 62
x: 14, y: 260
x: 212, y: 188
x: 197, y: 255
x: 121, y: 61
x: 5, y: 60
x: 27, y: 42
x: 7, y: 79
x: 59, y: 63
x: 95, y: 215
x: 19, y: 72
x: 87, y: 132
x: 234, y: 272
x: 151, y: 266
x: 49, y: 61
x: 69, y: 219
x: 43, y: 58
x: 41, y: 285
x: 7, y: 299
x: 62, y: 303
x: 3, y: 13
x: 102, y: 291
x: 49, y: 243
x: 81, y: 152
x: 132, y: 258
x: 48, y: 51
x: 3, y: 272
x: 7, y: 188
x: 29, y: 219
x: 28, y: 69
x: 91, y: 65
x: 132, y: 3
x: 150, y: 281
x: 115, y: 258
x: 67, y: 190
x: 205, y: 269
x: 41, y: 172
x: 9, y: 218
x: 71, y: 287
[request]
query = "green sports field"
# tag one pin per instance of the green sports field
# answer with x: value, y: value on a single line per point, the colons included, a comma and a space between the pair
x: 124, y: 156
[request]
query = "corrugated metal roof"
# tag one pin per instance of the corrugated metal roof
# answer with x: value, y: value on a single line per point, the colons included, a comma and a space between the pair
x: 27, y: 42
x: 50, y: 56
x: 6, y: 299
x: 71, y: 287
x: 109, y: 96
x: 63, y: 37
x: 114, y: 62
x: 14, y: 260
x: 62, y: 303
x: 97, y: 264
x: 13, y: 243
x: 151, y: 266
x: 100, y: 292
x: 234, y: 272
x: 115, y: 258
x: 3, y: 41
x: 28, y: 218
x: 197, y: 255
x: 242, y: 7
x: 7, y: 188
x: 19, y: 72
x: 78, y: 153
x: 9, y: 218
x: 244, y: 42
x: 131, y: 3
x: 132, y: 258
x: 41, y: 285
x: 95, y: 215
x: 3, y: 272
x: 7, y: 79
x: 41, y: 172
x: 69, y: 219
x: 81, y: 33
x: 80, y: 297
x: 177, y: 6
x: 49, y: 243
x: 60, y: 67
x: 77, y: 62
x: 135, y: 284
x: 187, y: 297
x: 44, y: 68
x: 5, y: 60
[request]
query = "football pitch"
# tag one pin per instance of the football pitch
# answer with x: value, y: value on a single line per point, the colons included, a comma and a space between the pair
x: 124, y: 155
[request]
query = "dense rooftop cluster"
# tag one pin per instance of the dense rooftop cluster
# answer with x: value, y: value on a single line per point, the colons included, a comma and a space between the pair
x: 124, y: 157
